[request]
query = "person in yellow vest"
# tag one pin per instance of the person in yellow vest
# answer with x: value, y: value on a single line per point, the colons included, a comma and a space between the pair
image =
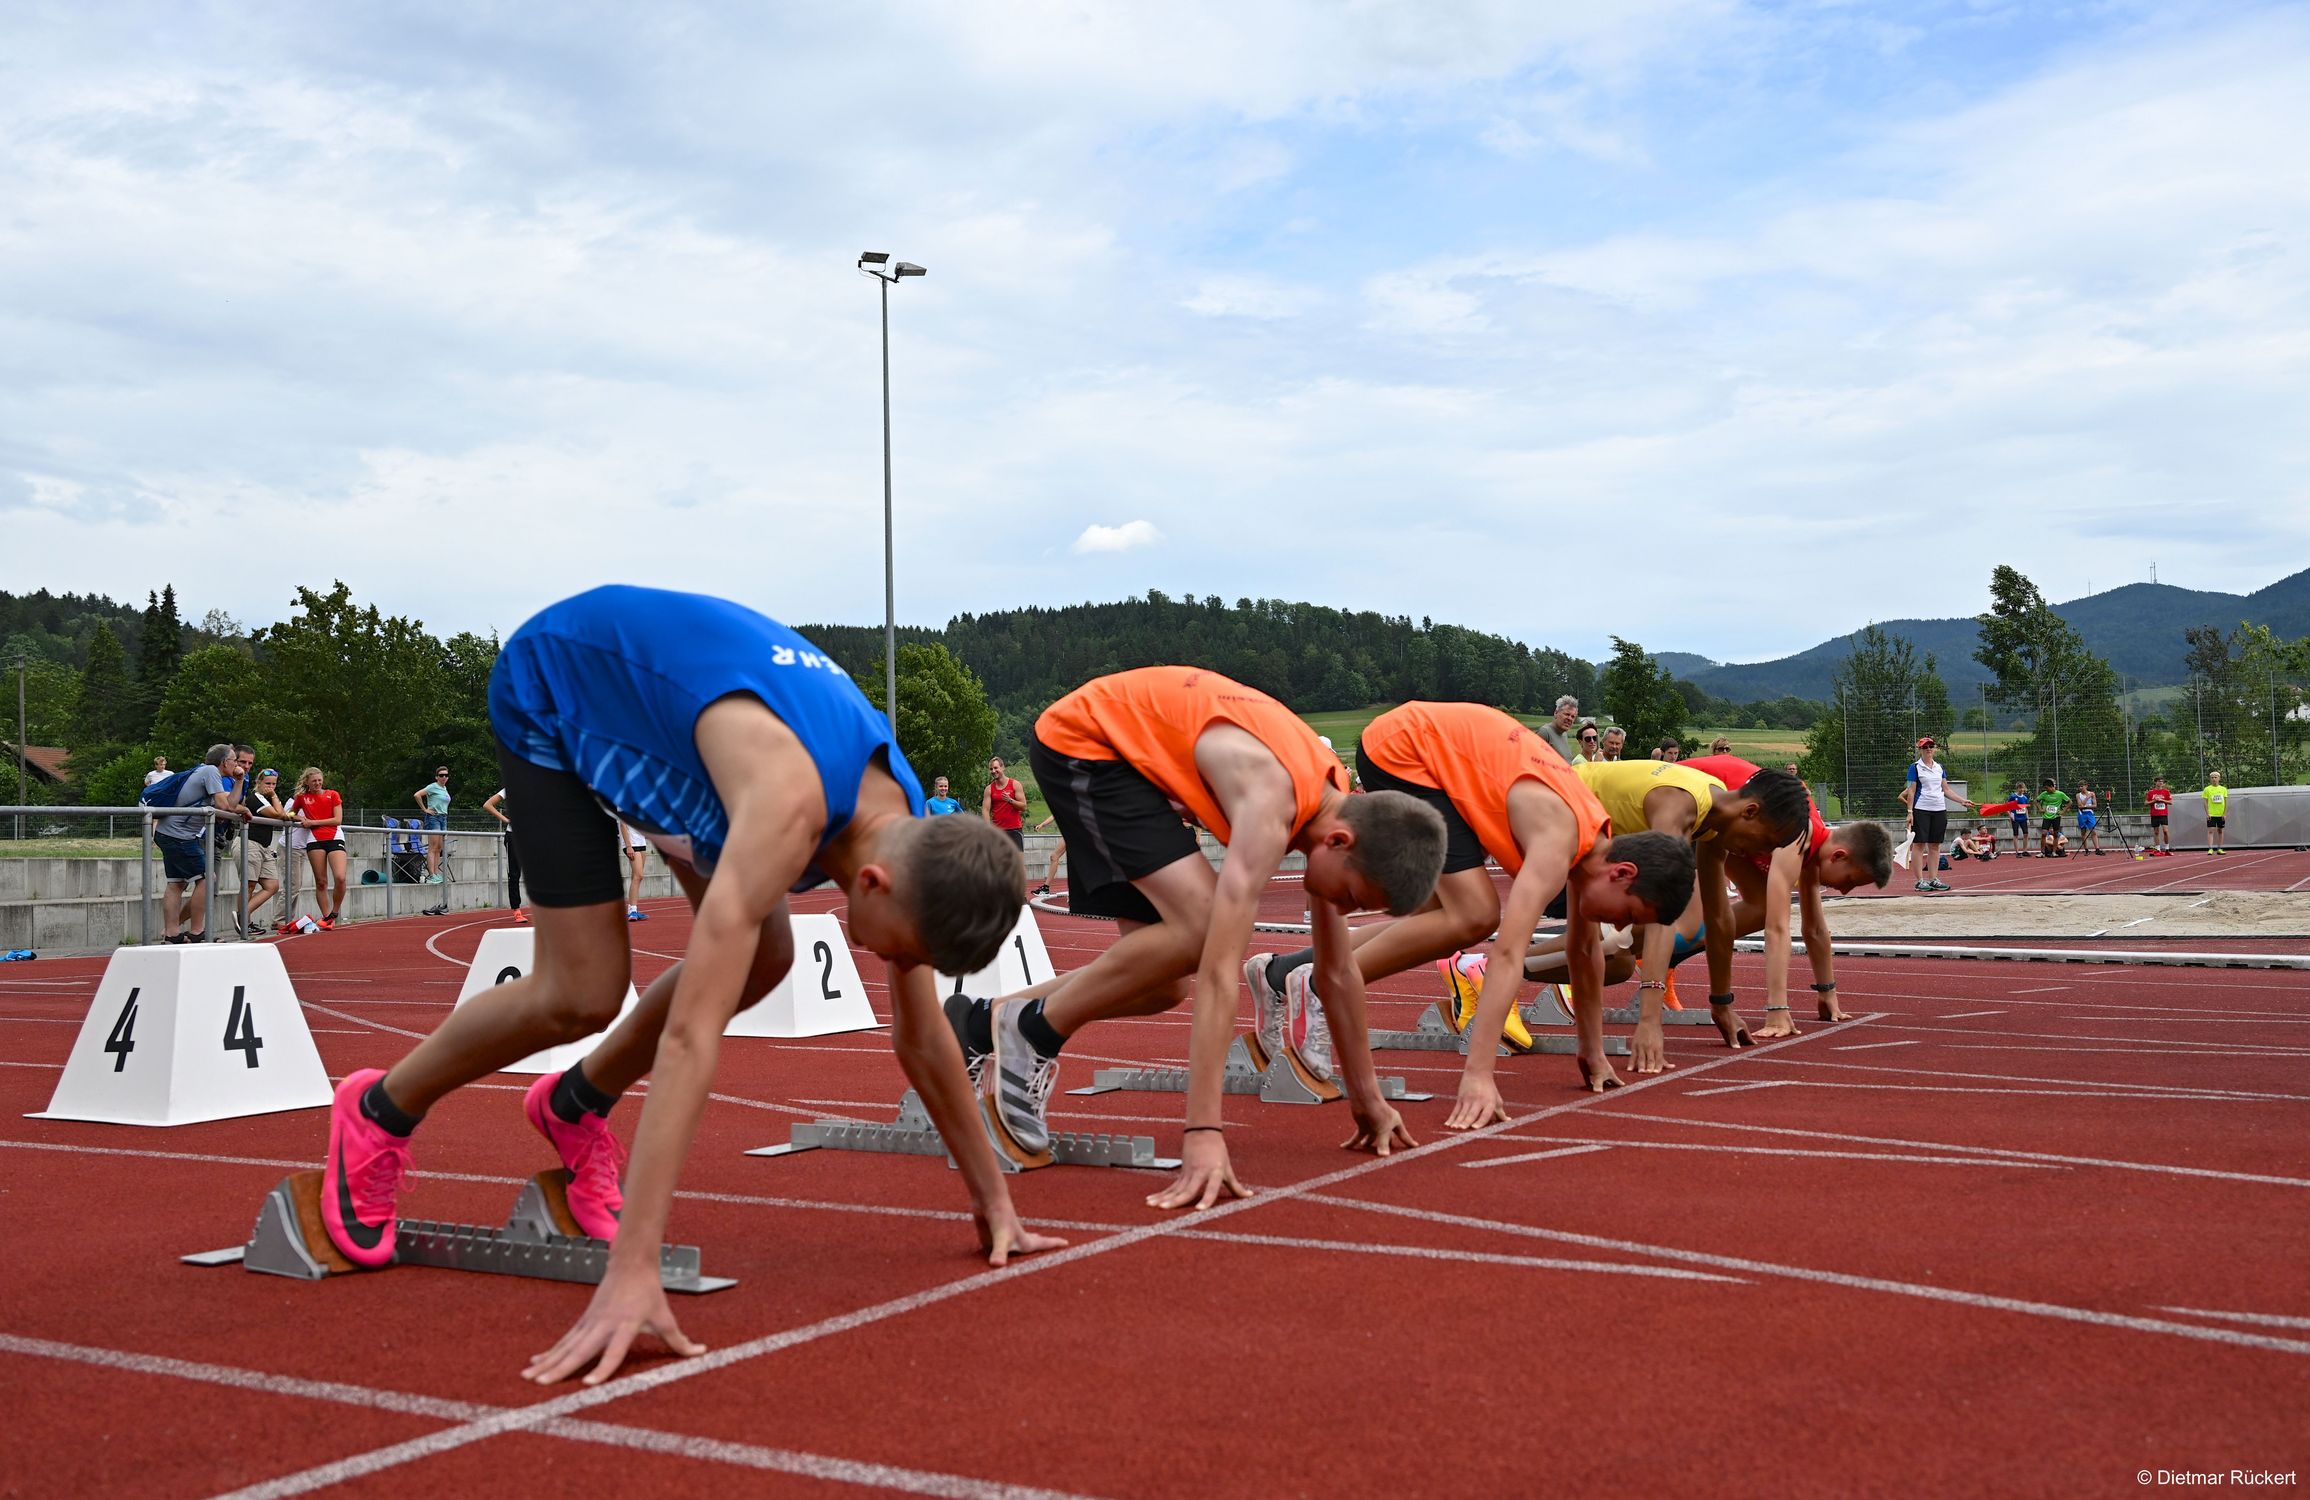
x: 2217, y: 814
x: 1768, y: 811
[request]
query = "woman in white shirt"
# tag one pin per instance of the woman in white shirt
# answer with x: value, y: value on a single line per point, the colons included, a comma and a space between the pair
x: 1927, y: 796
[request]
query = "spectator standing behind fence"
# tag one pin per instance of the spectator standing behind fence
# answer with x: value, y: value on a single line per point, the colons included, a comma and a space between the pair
x: 183, y: 842
x: 2050, y: 801
x: 1669, y: 750
x: 1615, y: 740
x: 159, y: 771
x: 321, y: 813
x: 2161, y: 801
x: 1558, y: 730
x: 1591, y: 744
x: 2217, y: 814
x: 494, y: 805
x: 432, y: 799
x: 1004, y: 802
x: 939, y: 803
x: 263, y: 802
x: 1927, y: 796
x: 637, y: 852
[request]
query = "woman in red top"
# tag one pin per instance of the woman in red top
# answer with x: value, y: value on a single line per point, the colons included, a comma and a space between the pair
x: 322, y: 811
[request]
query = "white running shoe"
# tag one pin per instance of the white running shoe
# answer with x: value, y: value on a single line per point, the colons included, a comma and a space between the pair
x: 1304, y: 1026
x: 1266, y: 1010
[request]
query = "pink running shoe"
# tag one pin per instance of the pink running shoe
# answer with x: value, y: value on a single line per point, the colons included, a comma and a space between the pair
x: 362, y: 1179
x: 591, y: 1153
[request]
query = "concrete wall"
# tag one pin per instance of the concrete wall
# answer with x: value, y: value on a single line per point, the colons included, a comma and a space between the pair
x: 60, y: 907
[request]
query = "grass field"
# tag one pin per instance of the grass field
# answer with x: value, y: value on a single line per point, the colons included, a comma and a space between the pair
x: 68, y: 848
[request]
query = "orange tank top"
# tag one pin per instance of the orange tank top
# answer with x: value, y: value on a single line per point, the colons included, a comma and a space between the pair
x: 1151, y: 718
x: 1473, y: 754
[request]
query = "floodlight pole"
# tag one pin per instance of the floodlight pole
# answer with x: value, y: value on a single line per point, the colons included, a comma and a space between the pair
x: 889, y: 541
x: 21, y: 800
x: 878, y: 264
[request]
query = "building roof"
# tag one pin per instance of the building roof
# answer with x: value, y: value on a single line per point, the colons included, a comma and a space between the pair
x: 43, y: 761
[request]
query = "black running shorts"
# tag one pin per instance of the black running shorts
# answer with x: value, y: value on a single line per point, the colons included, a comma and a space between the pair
x: 1119, y: 827
x: 1462, y: 849
x: 567, y: 846
x: 1931, y: 825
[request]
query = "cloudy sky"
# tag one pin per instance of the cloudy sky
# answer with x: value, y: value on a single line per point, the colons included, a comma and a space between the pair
x: 1724, y: 326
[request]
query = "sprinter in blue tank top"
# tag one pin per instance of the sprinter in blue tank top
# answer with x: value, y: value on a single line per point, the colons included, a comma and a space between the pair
x: 757, y: 768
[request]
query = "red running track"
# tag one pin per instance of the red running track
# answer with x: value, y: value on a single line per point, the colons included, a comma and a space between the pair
x: 2021, y: 1229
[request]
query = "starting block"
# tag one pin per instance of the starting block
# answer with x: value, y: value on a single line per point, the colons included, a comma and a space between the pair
x: 179, y: 1035
x: 913, y: 1134
x: 1552, y: 1007
x: 505, y: 954
x: 1281, y: 1081
x: 1434, y: 1035
x: 539, y: 1241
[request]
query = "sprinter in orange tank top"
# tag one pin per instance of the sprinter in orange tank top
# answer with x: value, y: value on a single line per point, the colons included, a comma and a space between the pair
x: 1502, y: 791
x: 1121, y: 760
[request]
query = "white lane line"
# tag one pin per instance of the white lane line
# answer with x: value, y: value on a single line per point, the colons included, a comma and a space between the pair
x: 1983, y: 1300
x: 1967, y: 1014
x: 2145, y: 1092
x: 681, y: 1445
x: 1506, y: 1161
x: 2115, y: 1163
x: 462, y: 963
x: 2083, y: 1083
x: 2043, y: 989
x: 1873, y: 1046
x: 1474, y: 1257
x: 362, y: 1021
x: 637, y: 1383
x: 1741, y: 1088
x: 1940, y: 1161
x: 2265, y: 1320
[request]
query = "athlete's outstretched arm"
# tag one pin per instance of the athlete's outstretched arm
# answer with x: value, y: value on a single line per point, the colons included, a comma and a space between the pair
x: 707, y: 993
x: 933, y: 1063
x: 1255, y: 793
x: 1819, y: 946
x: 1340, y: 990
x: 1780, y: 884
x: 1548, y: 837
x: 1716, y: 918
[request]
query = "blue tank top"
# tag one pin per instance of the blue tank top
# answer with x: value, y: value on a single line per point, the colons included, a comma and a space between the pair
x: 608, y: 686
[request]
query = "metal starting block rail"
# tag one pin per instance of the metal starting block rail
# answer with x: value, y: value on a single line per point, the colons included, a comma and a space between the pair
x: 289, y: 1240
x: 1282, y: 1081
x: 913, y: 1134
x: 1433, y: 1034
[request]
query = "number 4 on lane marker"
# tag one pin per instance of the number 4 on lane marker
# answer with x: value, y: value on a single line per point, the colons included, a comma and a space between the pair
x: 178, y: 1035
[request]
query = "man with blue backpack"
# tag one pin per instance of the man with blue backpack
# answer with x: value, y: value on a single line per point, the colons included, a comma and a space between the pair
x: 183, y: 842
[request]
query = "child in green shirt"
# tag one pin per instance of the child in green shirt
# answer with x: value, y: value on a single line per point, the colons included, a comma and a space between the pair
x: 2050, y: 802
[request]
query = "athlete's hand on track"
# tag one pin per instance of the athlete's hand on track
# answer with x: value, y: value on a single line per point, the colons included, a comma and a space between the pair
x: 624, y: 1307
x: 1205, y: 1175
x: 1378, y: 1127
x: 1649, y: 1050
x: 1597, y: 1074
x: 1778, y: 1023
x: 1002, y: 1236
x: 1831, y: 1010
x: 1478, y: 1105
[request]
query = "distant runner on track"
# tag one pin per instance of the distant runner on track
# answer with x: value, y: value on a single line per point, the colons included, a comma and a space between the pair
x: 1118, y: 761
x: 756, y: 767
x: 1842, y: 860
x: 1501, y: 790
x: 1767, y: 811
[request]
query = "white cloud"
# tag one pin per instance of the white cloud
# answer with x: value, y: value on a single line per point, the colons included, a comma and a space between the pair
x: 1412, y: 286
x: 1121, y: 538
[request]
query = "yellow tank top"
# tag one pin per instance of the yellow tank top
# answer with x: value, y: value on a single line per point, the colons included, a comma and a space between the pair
x: 1621, y: 786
